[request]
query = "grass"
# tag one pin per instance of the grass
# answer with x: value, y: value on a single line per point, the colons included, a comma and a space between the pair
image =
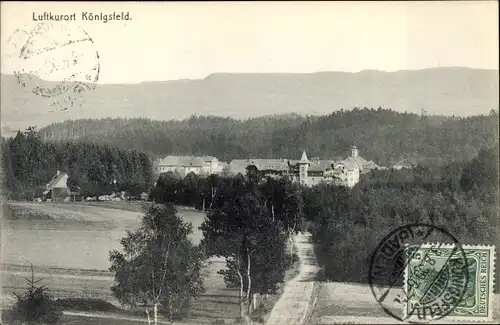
x: 356, y: 300
x: 82, y: 320
x: 89, y: 304
x: 19, y: 212
x: 133, y: 206
x: 79, y: 288
x: 74, y: 212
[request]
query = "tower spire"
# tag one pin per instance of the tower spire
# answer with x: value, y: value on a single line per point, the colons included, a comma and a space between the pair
x: 304, y: 157
x: 303, y: 169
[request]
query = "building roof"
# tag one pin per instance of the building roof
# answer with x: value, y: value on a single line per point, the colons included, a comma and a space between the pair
x: 55, y: 180
x: 316, y: 165
x: 350, y: 163
x: 362, y: 163
x: 186, y: 161
x: 321, y: 165
x: 304, y: 159
x: 240, y: 165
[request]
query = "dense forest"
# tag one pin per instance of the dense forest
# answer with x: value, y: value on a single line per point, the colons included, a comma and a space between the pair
x: 347, y: 225
x: 462, y: 198
x: 28, y: 163
x: 382, y: 135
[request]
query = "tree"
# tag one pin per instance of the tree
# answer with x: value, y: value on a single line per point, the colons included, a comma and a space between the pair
x: 482, y: 171
x: 242, y: 231
x: 34, y: 306
x: 30, y: 162
x: 159, y: 266
x: 191, y: 189
x: 166, y: 188
x: 209, y: 191
x: 285, y: 202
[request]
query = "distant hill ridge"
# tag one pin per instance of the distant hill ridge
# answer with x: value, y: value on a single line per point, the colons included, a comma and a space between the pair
x: 443, y: 91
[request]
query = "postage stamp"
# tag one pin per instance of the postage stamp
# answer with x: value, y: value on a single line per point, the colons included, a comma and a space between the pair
x: 57, y: 61
x: 392, y: 257
x: 435, y: 276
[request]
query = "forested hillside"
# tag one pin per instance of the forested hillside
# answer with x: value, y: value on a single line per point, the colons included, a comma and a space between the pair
x: 384, y: 136
x: 29, y: 163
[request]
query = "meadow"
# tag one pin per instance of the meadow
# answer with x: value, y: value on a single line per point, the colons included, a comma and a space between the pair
x: 69, y: 244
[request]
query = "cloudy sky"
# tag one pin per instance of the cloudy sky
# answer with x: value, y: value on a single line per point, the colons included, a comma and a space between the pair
x: 166, y: 41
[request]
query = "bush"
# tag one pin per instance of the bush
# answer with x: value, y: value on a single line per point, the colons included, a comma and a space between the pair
x: 34, y: 306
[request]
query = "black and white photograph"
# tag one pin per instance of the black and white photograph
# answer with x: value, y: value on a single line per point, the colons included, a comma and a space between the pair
x: 249, y: 163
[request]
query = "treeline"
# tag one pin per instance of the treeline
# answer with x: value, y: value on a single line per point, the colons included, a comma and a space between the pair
x: 462, y: 198
x: 347, y: 225
x: 382, y: 135
x: 29, y: 163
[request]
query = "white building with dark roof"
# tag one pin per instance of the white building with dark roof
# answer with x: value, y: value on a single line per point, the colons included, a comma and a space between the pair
x: 205, y: 165
x: 315, y: 170
x: 346, y: 172
x: 57, y: 189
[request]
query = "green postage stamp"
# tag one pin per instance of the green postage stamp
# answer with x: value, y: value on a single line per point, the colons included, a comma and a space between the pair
x: 449, y: 282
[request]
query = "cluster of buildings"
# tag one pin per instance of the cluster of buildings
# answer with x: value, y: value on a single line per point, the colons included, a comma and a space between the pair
x: 309, y: 172
x: 57, y: 190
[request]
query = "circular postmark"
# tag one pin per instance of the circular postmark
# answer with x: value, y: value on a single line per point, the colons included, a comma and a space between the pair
x: 54, y: 60
x: 414, y: 277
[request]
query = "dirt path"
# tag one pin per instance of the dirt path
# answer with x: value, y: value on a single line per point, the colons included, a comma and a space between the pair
x: 295, y: 304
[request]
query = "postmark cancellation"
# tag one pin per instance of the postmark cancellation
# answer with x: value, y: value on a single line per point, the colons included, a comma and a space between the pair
x: 440, y: 283
x: 54, y: 60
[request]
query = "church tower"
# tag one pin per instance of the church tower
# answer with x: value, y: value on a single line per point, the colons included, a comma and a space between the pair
x: 303, y: 168
x: 354, y: 151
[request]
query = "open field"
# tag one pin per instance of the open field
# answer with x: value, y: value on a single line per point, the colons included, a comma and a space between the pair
x: 341, y: 303
x: 134, y: 206
x: 70, y: 251
x: 71, y: 235
x: 74, y: 237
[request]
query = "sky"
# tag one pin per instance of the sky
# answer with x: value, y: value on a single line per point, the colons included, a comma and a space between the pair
x: 169, y: 41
